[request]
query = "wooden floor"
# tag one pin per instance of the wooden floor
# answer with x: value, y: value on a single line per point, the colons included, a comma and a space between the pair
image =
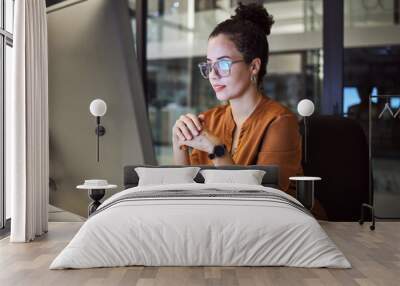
x: 375, y: 257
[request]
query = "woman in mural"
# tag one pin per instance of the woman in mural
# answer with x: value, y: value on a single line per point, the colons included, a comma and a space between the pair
x: 251, y: 129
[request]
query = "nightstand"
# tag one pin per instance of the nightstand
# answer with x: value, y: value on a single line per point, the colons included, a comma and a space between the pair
x: 305, y: 190
x: 96, y: 191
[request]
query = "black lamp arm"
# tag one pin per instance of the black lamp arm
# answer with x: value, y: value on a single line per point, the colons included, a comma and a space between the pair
x: 100, y: 131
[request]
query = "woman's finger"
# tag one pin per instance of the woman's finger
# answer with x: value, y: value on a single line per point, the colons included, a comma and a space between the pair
x: 201, y: 119
x: 190, y: 125
x: 179, y: 133
x: 184, y: 129
x: 195, y: 120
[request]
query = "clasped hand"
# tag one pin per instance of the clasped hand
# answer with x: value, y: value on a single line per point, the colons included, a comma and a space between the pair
x: 189, y: 130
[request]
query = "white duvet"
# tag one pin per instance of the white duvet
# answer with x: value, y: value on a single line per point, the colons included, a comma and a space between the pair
x: 200, y: 231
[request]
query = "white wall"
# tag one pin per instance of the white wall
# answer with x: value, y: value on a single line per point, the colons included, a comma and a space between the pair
x: 91, y: 55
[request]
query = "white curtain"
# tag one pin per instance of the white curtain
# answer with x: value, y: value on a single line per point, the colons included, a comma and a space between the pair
x: 27, y: 138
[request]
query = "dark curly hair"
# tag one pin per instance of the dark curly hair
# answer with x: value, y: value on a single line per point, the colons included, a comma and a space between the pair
x: 248, y: 30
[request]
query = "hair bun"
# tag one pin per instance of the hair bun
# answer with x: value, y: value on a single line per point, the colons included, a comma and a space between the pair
x: 255, y: 13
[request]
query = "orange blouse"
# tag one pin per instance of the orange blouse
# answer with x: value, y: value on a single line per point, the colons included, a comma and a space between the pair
x: 269, y: 136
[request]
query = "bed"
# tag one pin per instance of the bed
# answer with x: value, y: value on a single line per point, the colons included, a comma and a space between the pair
x: 201, y: 224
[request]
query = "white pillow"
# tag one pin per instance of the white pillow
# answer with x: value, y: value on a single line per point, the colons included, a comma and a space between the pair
x: 162, y: 176
x: 249, y: 177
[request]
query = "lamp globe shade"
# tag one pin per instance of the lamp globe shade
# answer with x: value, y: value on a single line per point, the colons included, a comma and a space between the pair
x: 98, y: 107
x: 305, y: 107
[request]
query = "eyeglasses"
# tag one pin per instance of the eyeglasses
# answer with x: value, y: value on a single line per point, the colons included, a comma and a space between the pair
x: 221, y: 67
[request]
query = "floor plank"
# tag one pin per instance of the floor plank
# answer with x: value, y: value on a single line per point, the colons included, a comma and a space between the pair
x: 375, y: 257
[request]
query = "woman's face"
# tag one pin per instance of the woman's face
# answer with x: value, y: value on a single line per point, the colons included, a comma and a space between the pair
x: 239, y: 80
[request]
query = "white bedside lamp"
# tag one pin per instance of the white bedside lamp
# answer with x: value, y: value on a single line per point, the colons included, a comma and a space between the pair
x: 305, y: 108
x: 98, y: 108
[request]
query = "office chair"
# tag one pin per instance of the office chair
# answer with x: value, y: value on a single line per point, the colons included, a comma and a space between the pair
x: 338, y: 153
